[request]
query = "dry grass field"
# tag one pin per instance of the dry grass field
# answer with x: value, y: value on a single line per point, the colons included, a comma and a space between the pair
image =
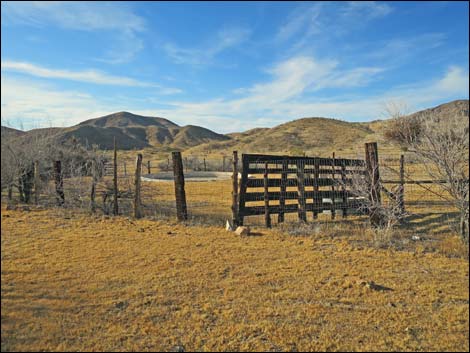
x: 77, y: 282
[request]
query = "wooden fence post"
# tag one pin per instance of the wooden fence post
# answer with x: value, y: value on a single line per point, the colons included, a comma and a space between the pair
x: 36, y: 182
x: 137, y: 199
x: 267, y: 217
x: 243, y: 187
x: 115, y: 181
x: 180, y: 195
x: 401, y: 193
x: 301, y: 192
x: 93, y: 186
x: 282, y: 195
x: 59, y: 183
x: 316, y: 176
x: 333, y: 201
x: 223, y: 163
x: 205, y: 164
x: 125, y: 169
x: 234, y: 188
x: 373, y: 176
x: 148, y: 167
x: 343, y: 188
x: 168, y: 164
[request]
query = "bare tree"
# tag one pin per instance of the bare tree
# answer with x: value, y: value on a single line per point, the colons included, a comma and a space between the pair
x: 441, y: 145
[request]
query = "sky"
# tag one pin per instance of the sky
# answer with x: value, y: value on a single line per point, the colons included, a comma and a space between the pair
x: 229, y: 66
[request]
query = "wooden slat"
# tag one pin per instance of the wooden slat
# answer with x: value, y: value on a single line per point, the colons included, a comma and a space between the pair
x: 293, y: 195
x: 293, y: 208
x: 259, y: 183
x: 253, y: 158
x: 306, y: 171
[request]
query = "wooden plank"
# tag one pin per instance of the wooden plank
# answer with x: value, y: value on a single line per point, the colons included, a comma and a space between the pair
x: 115, y: 181
x: 258, y: 183
x: 234, y: 188
x: 59, y: 183
x: 253, y: 158
x: 316, y: 176
x: 282, y: 200
x: 180, y: 194
x: 294, y: 195
x: 333, y: 211
x: 345, y: 192
x: 137, y: 180
x: 267, y: 217
x: 373, y: 178
x: 294, y: 208
x: 301, y: 192
x: 275, y: 170
x: 243, y: 186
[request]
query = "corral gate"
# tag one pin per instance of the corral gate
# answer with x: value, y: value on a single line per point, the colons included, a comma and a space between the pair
x: 301, y: 185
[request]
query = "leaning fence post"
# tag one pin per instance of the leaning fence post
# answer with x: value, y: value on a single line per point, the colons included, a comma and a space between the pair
x: 180, y: 195
x: 267, y: 217
x: 115, y: 181
x: 373, y: 175
x: 59, y: 183
x: 235, y: 189
x: 401, y: 195
x: 137, y: 200
x: 36, y: 182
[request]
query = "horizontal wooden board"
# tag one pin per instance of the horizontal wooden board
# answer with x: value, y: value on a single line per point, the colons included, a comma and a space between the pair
x: 306, y: 171
x: 293, y: 195
x: 252, y: 158
x: 259, y: 183
x: 309, y: 207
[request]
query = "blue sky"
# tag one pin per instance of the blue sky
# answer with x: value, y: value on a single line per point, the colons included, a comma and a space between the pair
x: 229, y: 66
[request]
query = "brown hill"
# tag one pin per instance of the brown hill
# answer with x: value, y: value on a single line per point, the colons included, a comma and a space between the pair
x: 131, y: 131
x: 316, y: 136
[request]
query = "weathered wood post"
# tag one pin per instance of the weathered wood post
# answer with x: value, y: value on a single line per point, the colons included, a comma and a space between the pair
x: 316, y: 176
x: 235, y: 189
x: 59, y: 183
x: 93, y: 186
x: 243, y: 187
x: 401, y: 191
x: 125, y: 169
x: 148, y: 167
x: 115, y: 181
x: 373, y: 178
x: 343, y: 189
x: 205, y: 169
x: 36, y: 182
x: 180, y: 195
x: 137, y: 199
x: 282, y: 195
x: 301, y: 191
x: 223, y: 163
x: 168, y: 164
x: 333, y: 198
x: 267, y: 216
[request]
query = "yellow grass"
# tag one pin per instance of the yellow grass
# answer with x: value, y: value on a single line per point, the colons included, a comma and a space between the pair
x: 94, y: 283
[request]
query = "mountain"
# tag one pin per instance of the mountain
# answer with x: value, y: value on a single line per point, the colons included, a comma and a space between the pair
x: 131, y: 131
x: 316, y: 136
x: 312, y: 136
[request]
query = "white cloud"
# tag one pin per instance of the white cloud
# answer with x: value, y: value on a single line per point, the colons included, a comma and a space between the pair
x: 90, y: 76
x: 224, y: 39
x: 77, y: 15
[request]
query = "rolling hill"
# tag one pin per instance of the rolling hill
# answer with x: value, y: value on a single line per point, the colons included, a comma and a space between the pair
x: 312, y: 136
x: 131, y: 131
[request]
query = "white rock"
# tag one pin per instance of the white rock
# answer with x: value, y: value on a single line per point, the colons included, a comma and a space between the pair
x: 242, y: 230
x: 229, y: 226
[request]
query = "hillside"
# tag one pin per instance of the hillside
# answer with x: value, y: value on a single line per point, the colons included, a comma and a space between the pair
x: 131, y: 131
x: 317, y: 136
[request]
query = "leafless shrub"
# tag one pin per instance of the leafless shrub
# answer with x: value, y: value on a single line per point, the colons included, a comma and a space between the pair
x: 441, y: 144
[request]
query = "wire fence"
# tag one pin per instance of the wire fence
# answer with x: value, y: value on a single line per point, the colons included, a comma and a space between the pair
x: 208, y: 187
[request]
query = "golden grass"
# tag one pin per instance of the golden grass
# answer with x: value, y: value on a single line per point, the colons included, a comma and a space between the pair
x: 99, y: 283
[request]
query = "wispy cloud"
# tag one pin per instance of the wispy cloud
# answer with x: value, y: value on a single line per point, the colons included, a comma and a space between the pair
x: 89, y: 76
x: 322, y: 22
x: 83, y: 16
x: 204, y: 55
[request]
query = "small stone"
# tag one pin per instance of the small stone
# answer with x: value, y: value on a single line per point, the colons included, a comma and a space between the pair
x: 415, y: 238
x: 178, y: 348
x: 242, y: 230
x: 229, y: 226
